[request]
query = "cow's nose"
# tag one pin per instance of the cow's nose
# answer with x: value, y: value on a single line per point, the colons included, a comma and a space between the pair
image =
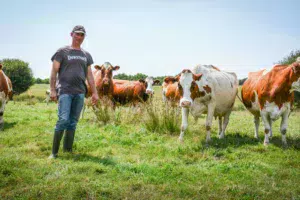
x: 186, y: 104
x: 149, y: 92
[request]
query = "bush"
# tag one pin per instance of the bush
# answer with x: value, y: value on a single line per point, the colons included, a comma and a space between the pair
x: 20, y: 74
x: 162, y: 118
x: 289, y: 60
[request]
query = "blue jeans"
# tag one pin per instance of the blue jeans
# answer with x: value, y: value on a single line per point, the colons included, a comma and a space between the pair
x: 69, y: 108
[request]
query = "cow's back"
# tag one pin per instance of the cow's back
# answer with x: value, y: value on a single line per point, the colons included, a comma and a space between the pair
x: 128, y: 91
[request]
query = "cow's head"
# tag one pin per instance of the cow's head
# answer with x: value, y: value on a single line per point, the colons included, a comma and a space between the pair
x: 149, y: 83
x: 106, y: 73
x: 187, y: 87
x: 296, y: 71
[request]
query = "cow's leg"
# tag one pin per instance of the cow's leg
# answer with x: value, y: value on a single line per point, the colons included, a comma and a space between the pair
x: 256, y: 122
x: 271, y: 131
x: 184, y: 123
x: 265, y: 119
x: 283, y: 127
x: 2, y: 107
x: 220, y: 125
x: 225, y: 123
x: 209, y: 119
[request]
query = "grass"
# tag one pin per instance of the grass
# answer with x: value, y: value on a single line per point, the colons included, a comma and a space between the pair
x: 122, y: 159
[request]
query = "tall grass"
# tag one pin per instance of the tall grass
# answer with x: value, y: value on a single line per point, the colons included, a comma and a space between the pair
x: 162, y: 118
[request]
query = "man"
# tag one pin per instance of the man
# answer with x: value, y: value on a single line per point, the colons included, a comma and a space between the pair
x: 73, y: 66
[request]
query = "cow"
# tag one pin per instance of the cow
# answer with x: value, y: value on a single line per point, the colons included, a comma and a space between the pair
x: 169, y: 88
x: 149, y: 83
x: 125, y: 91
x: 6, y: 93
x: 267, y: 94
x: 103, y: 76
x: 207, y: 90
x: 104, y: 84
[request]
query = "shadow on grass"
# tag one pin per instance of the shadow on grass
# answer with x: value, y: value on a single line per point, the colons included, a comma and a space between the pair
x: 236, y: 140
x: 8, y: 125
x: 106, y: 160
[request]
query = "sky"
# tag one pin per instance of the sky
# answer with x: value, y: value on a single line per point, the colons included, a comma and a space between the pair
x: 154, y: 37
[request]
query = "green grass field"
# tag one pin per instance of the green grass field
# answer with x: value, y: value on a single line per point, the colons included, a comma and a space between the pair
x: 124, y: 160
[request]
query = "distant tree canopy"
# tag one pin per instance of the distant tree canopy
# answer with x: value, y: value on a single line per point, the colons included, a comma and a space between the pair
x: 136, y: 77
x: 42, y: 81
x: 20, y: 74
x: 242, y: 81
x: 288, y: 60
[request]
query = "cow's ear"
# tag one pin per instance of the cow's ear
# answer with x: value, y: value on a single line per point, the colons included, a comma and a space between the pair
x: 142, y: 81
x: 156, y: 81
x: 116, y: 67
x: 98, y: 67
x: 0, y: 66
x: 177, y: 77
x: 169, y: 79
x: 197, y: 77
x: 296, y: 68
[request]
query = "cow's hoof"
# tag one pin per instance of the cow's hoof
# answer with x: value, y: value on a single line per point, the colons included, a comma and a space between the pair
x: 180, y: 140
x: 266, y: 144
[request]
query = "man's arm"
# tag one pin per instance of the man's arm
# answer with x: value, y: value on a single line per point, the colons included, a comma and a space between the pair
x: 54, y: 71
x: 90, y: 79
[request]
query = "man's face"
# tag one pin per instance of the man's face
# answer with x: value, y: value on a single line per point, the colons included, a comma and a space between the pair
x: 77, y: 37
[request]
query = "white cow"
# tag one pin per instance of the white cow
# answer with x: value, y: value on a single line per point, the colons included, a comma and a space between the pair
x: 207, y: 90
x: 150, y: 82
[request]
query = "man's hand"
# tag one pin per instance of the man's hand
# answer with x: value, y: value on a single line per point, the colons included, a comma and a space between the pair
x: 53, y: 95
x: 95, y: 98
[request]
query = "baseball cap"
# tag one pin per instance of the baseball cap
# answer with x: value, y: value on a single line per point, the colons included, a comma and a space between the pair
x: 79, y: 29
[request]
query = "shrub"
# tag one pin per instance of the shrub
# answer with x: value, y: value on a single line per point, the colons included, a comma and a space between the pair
x: 20, y: 74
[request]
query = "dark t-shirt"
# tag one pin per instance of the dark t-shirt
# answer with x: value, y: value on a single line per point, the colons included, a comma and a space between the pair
x: 73, y: 70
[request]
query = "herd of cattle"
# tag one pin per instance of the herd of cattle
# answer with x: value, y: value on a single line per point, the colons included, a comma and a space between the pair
x: 203, y: 90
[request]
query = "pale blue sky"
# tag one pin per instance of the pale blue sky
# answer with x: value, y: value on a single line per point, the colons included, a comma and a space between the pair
x: 157, y: 37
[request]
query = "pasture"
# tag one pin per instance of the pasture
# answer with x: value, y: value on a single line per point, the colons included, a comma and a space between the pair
x: 123, y: 159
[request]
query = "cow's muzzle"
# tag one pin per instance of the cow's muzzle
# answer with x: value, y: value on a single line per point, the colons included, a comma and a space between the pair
x: 185, y: 104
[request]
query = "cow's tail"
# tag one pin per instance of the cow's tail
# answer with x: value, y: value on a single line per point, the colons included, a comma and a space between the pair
x: 237, y: 94
x: 240, y: 98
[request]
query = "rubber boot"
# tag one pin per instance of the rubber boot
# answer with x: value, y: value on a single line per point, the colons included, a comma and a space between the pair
x: 56, y: 141
x: 68, y: 140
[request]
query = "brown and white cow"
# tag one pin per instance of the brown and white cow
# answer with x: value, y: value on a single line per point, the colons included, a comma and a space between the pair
x: 6, y: 93
x: 149, y: 83
x: 103, y: 76
x: 207, y: 90
x: 126, y: 91
x: 267, y: 95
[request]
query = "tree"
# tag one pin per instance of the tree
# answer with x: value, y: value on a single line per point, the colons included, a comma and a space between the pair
x: 38, y: 81
x: 289, y: 60
x: 20, y: 74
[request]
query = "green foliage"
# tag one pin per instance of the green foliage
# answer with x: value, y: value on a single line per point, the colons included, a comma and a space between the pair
x: 162, y: 118
x: 289, y: 60
x: 136, y: 77
x: 20, y: 74
x: 41, y: 81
